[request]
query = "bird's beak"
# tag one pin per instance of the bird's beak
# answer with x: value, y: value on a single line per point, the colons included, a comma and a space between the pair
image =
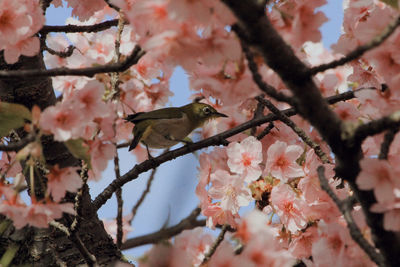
x: 217, y: 114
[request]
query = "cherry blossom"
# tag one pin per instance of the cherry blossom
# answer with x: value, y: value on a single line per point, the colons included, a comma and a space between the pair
x: 378, y: 175
x: 291, y: 209
x: 292, y: 218
x: 281, y: 161
x: 229, y: 188
x: 244, y: 158
x: 9, y: 166
x: 61, y: 180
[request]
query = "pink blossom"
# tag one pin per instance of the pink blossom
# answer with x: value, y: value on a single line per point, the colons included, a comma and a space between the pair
x: 336, y: 245
x: 301, y: 244
x: 254, y: 223
x: 62, y: 180
x: 347, y: 111
x: 281, y: 161
x: 378, y: 175
x: 195, y: 243
x: 19, y: 20
x: 63, y: 121
x: 41, y: 214
x: 230, y: 189
x: 100, y: 153
x: 165, y: 254
x: 13, y: 22
x: 391, y: 210
x: 85, y: 9
x: 224, y: 256
x: 216, y: 215
x: 245, y: 158
x: 289, y: 207
x: 37, y: 214
x: 16, y: 211
x: 264, y: 250
x: 9, y: 166
x: 262, y: 247
x: 27, y: 47
x: 204, y: 179
x: 89, y: 100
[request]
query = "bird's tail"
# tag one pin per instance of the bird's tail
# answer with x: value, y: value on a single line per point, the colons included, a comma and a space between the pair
x: 134, y: 143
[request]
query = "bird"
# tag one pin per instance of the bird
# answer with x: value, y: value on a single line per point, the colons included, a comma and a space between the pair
x: 166, y: 127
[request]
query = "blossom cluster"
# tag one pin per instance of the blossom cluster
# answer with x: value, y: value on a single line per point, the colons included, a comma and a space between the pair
x: 293, y: 218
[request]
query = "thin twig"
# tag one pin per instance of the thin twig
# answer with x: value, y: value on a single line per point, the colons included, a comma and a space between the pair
x: 132, y: 59
x: 266, y: 131
x: 143, y: 196
x: 360, y: 50
x: 115, y: 81
x: 120, y: 202
x: 215, y: 245
x: 345, y: 209
x: 259, y: 112
x: 19, y: 144
x: 387, y: 141
x: 122, y: 145
x: 211, y: 141
x: 70, y: 28
x: 374, y: 127
x: 189, y: 222
x: 268, y: 89
x: 78, y: 198
x: 285, y: 119
x: 63, y: 54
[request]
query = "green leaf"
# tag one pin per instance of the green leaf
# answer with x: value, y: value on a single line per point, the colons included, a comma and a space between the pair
x: 12, y: 116
x: 392, y: 3
x: 79, y: 150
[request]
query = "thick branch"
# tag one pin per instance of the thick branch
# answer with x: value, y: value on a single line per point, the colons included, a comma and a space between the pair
x: 280, y: 57
x: 189, y: 222
x: 132, y: 59
x: 309, y: 102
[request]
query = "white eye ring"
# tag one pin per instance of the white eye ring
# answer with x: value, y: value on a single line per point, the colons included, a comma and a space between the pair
x: 206, y: 110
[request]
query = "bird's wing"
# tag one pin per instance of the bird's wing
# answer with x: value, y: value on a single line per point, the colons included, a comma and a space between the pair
x: 164, y: 113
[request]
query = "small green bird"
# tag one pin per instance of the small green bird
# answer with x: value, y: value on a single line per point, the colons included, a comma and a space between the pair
x: 163, y: 128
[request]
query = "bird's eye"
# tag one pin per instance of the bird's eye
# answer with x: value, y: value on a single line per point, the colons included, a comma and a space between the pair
x: 206, y: 110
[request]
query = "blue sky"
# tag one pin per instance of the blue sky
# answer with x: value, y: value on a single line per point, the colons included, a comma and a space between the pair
x: 172, y: 195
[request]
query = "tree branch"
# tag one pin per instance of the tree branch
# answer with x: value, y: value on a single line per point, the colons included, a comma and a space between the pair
x: 70, y: 28
x: 143, y: 196
x: 376, y: 126
x: 18, y: 145
x: 266, y: 88
x: 211, y: 141
x: 359, y: 51
x: 189, y: 222
x: 387, y: 141
x: 132, y: 59
x: 285, y: 119
x: 353, y: 228
x: 215, y: 245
